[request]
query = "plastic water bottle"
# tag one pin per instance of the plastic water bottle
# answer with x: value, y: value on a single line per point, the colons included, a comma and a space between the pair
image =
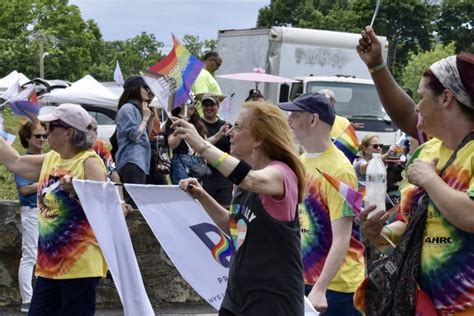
x: 376, y: 183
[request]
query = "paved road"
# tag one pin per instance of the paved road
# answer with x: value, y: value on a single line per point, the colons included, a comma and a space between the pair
x: 192, y: 310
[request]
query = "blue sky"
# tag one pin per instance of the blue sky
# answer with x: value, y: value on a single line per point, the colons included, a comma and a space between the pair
x: 122, y: 19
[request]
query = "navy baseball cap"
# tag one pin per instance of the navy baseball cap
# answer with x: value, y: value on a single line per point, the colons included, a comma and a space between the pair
x: 313, y: 103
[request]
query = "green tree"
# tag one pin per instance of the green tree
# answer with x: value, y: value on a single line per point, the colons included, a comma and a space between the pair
x: 15, y: 52
x: 456, y: 23
x: 292, y: 12
x: 407, y: 24
x: 418, y: 63
x: 196, y: 47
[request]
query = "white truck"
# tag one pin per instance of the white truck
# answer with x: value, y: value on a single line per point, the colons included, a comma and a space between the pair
x: 317, y: 59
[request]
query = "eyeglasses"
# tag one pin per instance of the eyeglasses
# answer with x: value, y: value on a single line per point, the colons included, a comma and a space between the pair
x: 376, y: 146
x: 38, y: 136
x: 57, y: 124
x: 237, y: 127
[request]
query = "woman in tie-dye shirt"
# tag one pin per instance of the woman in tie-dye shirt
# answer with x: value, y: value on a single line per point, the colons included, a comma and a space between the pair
x: 70, y: 262
x: 445, y: 112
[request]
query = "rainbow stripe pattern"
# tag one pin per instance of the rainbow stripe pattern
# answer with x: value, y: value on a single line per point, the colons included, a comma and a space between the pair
x: 446, y: 274
x: 182, y: 67
x: 352, y: 197
x: 348, y: 143
x: 222, y: 250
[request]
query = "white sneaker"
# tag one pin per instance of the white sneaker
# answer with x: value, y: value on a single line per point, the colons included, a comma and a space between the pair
x: 25, y: 307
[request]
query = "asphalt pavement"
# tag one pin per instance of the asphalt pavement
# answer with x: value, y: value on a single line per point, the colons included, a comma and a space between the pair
x: 190, y: 310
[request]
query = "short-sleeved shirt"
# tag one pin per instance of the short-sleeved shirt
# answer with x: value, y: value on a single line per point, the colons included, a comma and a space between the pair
x: 67, y: 247
x: 447, y: 259
x: 205, y: 83
x: 322, y: 205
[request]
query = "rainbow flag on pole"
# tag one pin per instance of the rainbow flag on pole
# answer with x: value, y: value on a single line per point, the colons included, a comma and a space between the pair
x: 352, y: 197
x: 180, y: 68
x: 26, y: 103
x: 348, y: 143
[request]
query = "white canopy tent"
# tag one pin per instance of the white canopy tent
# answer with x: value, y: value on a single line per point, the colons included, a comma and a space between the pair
x: 11, y: 78
x: 84, y: 91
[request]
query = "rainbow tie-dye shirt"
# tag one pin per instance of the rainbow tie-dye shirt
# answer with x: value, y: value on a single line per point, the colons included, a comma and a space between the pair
x: 67, y: 247
x: 323, y: 204
x: 447, y: 260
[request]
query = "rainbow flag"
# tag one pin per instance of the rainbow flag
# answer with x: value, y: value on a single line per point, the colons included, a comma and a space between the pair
x: 352, y: 197
x: 26, y: 103
x: 348, y: 143
x: 181, y: 69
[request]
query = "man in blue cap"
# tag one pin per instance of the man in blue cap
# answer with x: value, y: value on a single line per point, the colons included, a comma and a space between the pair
x: 333, y: 256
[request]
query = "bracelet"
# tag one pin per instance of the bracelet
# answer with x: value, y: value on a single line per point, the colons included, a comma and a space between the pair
x: 219, y: 161
x: 205, y: 145
x: 377, y: 68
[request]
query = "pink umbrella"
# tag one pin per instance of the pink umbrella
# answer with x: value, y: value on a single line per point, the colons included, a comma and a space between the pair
x: 257, y: 76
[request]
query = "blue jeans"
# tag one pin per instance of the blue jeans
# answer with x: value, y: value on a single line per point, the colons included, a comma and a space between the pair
x: 64, y: 297
x: 339, y: 303
x: 178, y: 166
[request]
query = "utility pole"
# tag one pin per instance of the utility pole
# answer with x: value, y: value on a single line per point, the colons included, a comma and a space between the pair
x: 40, y: 38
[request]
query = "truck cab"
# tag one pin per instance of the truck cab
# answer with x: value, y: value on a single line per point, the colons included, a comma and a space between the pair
x: 356, y: 99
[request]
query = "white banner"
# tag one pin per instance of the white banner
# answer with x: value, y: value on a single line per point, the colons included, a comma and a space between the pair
x: 195, y: 245
x: 101, y: 203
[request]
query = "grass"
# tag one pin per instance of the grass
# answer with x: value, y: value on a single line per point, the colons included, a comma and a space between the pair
x: 11, y: 124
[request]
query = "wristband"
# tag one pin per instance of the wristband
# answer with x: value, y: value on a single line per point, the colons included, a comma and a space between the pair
x: 219, y: 161
x: 377, y: 68
x: 240, y: 172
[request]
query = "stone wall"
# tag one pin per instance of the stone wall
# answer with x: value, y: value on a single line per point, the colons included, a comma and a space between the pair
x: 163, y: 283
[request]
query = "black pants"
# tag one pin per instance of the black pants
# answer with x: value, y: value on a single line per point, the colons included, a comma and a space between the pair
x: 131, y: 173
x: 64, y: 297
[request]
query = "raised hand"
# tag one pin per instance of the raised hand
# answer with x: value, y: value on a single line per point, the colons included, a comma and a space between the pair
x: 370, y: 48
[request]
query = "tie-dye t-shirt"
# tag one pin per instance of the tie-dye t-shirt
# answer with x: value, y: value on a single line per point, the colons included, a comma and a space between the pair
x: 323, y: 204
x: 67, y: 247
x: 447, y: 262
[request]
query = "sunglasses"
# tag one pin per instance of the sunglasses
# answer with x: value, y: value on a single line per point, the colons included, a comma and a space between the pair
x: 147, y: 88
x: 57, y: 124
x: 38, y: 136
x: 376, y: 146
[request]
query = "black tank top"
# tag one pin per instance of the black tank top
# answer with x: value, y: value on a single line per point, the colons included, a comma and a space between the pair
x: 266, y: 270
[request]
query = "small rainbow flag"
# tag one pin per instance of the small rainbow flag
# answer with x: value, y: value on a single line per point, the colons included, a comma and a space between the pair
x: 348, y: 143
x: 181, y: 69
x: 26, y: 103
x: 352, y: 197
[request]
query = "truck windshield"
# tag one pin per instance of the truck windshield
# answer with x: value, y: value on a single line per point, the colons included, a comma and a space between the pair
x: 352, y: 99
